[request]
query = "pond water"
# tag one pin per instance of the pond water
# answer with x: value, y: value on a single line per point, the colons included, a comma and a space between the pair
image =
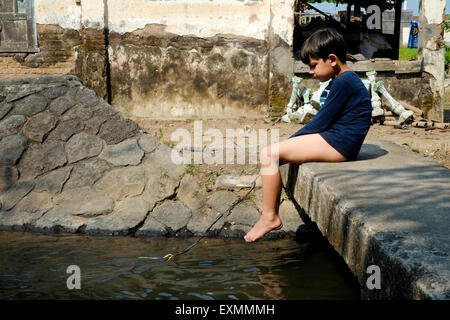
x: 34, y: 266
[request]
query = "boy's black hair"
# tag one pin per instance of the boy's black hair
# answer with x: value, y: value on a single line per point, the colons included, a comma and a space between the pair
x: 321, y: 44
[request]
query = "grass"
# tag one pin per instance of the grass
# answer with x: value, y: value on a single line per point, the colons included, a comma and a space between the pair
x: 447, y: 55
x: 411, y: 54
x: 447, y: 99
x: 191, y: 169
x: 407, y: 54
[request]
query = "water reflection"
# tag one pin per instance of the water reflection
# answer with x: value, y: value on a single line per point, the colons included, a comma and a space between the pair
x: 272, y: 287
x: 33, y: 266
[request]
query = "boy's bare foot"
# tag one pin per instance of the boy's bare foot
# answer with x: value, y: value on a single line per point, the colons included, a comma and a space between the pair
x: 262, y: 227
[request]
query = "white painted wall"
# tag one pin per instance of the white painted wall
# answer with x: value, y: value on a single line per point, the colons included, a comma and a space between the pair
x: 283, y: 19
x: 69, y: 15
x: 433, y: 10
x: 64, y: 13
x: 201, y: 18
x: 92, y: 13
x: 405, y: 36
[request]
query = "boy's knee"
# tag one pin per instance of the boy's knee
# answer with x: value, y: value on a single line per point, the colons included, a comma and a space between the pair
x: 267, y: 155
x: 264, y: 153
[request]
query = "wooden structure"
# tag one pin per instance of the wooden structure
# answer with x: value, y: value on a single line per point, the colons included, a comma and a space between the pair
x: 354, y: 24
x: 17, y: 28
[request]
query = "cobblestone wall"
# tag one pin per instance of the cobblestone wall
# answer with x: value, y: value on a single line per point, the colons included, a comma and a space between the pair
x: 70, y: 162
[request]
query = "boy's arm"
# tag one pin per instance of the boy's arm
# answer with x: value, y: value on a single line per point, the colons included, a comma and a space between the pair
x: 338, y: 97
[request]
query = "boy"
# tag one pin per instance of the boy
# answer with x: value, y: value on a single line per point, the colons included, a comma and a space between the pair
x: 335, y: 134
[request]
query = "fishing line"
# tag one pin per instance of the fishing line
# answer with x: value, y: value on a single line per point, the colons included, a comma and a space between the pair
x: 170, y: 256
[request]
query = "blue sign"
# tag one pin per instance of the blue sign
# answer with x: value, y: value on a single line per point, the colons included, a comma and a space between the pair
x: 414, y: 36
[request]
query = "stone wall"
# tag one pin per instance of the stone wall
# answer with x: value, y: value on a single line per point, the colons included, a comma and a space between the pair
x: 70, y: 162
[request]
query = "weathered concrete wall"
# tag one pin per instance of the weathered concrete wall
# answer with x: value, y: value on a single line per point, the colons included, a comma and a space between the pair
x: 159, y: 74
x: 281, y: 59
x: 186, y: 57
x: 87, y: 20
x: 196, y: 57
x: 200, y: 58
x: 202, y: 18
x: 431, y: 54
x: 389, y: 209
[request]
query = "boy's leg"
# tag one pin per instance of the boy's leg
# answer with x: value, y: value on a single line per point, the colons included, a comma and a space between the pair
x: 306, y: 148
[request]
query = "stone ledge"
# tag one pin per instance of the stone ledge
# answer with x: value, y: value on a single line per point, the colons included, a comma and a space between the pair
x: 389, y: 208
x: 377, y: 65
x: 38, y: 80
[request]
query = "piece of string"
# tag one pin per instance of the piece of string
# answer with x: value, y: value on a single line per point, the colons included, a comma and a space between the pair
x: 170, y: 256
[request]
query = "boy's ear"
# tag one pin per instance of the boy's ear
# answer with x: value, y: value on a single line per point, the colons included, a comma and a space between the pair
x: 334, y: 59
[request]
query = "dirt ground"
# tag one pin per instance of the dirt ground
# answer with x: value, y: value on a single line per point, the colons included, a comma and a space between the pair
x: 429, y: 143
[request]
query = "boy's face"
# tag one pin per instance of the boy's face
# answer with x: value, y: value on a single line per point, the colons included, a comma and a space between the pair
x: 320, y: 69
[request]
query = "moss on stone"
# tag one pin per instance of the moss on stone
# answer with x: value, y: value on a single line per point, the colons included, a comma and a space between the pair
x: 277, y: 103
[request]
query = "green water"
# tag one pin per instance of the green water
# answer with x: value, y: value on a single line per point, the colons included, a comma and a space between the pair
x: 33, y: 266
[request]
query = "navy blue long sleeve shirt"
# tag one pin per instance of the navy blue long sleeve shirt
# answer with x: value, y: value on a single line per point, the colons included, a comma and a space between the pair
x: 345, y: 117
